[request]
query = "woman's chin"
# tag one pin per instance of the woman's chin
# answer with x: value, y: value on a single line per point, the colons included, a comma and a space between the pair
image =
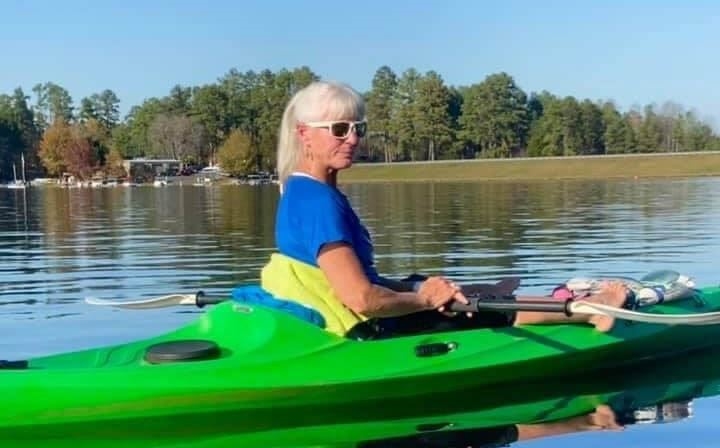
x: 342, y: 164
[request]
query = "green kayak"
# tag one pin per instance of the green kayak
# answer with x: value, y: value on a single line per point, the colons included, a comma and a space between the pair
x: 258, y: 363
x: 480, y: 418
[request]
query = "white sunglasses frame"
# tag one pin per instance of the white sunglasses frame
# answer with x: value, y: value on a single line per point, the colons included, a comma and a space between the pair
x: 328, y: 125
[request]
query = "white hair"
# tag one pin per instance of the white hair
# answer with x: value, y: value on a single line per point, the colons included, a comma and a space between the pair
x: 320, y: 100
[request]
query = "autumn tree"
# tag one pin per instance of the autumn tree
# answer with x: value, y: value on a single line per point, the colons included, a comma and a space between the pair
x: 114, y: 163
x: 79, y: 155
x: 65, y: 148
x: 236, y: 155
x: 55, y: 140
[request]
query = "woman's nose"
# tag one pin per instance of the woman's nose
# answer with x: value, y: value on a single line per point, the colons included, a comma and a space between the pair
x: 352, y: 137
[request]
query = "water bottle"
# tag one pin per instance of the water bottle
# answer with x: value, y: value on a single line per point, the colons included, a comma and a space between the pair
x: 649, y: 295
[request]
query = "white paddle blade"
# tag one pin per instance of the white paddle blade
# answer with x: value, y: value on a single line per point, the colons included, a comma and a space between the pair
x: 144, y: 304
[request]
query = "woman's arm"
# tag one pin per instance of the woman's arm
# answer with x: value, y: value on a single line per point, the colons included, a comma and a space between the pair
x: 345, y: 274
x: 602, y: 419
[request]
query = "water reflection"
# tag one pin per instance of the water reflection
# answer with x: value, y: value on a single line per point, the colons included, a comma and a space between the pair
x: 84, y: 241
x: 539, y: 230
x: 618, y: 401
x: 58, y: 246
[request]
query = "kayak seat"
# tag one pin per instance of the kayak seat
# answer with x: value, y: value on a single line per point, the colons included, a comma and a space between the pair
x: 182, y: 350
x: 13, y: 365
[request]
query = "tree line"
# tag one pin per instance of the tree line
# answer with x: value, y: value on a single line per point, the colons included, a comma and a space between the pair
x: 412, y: 116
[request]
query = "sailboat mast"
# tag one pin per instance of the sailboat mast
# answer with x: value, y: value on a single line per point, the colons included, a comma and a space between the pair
x: 22, y: 160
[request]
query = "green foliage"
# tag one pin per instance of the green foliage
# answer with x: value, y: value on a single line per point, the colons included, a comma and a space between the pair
x: 404, y: 116
x: 10, y: 140
x: 104, y: 107
x: 211, y: 108
x: 567, y: 127
x: 379, y: 103
x: 54, y: 103
x: 650, y: 133
x: 135, y: 138
x: 433, y: 123
x: 412, y: 116
x: 592, y: 128
x: 619, y: 137
x: 18, y: 134
x: 495, y: 119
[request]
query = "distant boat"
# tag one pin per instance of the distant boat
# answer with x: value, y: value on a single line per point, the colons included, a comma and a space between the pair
x: 161, y: 181
x: 18, y: 184
x: 202, y: 181
x: 97, y: 182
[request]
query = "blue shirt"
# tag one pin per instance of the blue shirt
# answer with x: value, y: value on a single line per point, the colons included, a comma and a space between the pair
x: 311, y: 214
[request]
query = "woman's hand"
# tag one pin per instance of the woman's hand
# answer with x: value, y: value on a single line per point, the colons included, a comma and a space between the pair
x: 438, y: 292
x: 602, y: 419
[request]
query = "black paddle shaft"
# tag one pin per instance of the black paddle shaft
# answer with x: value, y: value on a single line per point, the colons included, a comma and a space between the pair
x: 477, y: 303
x: 202, y: 300
x: 486, y: 303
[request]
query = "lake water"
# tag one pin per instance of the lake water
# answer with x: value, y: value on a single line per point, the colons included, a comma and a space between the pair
x: 58, y: 246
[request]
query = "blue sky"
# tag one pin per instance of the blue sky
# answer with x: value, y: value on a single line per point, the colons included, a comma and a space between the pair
x: 633, y: 52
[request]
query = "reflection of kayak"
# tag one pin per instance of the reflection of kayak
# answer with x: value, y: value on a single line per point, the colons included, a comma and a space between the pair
x: 475, y: 416
x: 240, y: 359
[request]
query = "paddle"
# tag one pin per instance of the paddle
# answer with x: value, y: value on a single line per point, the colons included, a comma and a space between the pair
x: 505, y: 287
x: 575, y: 306
x: 198, y: 299
x: 524, y: 303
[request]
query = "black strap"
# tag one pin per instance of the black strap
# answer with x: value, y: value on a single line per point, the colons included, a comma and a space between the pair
x: 505, y: 288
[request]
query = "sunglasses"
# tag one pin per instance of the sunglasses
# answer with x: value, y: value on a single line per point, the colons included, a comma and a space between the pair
x: 341, y: 129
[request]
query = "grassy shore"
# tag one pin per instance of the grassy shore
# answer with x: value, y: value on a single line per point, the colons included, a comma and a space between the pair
x: 593, y: 167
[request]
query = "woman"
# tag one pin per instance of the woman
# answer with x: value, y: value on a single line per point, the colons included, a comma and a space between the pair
x: 325, y: 254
